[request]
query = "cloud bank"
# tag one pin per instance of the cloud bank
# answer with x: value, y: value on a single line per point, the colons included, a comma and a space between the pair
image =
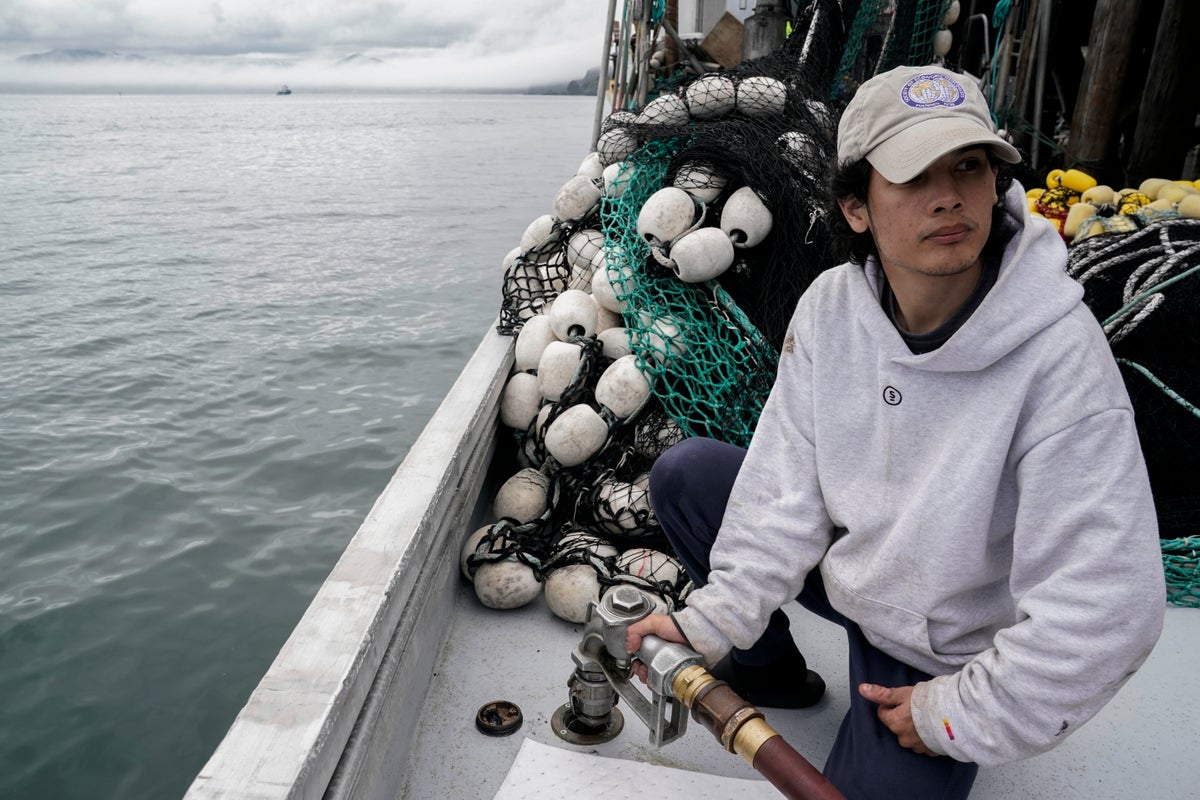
x: 248, y: 44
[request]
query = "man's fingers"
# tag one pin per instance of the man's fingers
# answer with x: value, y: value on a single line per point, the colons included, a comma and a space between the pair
x: 878, y: 694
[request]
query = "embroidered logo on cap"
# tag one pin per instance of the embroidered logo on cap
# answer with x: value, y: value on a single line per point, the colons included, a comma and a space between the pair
x: 931, y: 89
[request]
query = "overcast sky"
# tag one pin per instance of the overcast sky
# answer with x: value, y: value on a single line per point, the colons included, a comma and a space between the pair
x: 243, y: 43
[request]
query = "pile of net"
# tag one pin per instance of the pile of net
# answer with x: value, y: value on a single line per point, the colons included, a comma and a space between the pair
x: 1144, y: 286
x: 649, y: 306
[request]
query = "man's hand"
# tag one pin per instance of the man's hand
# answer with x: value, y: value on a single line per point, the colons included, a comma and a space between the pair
x: 896, y: 714
x: 659, y: 625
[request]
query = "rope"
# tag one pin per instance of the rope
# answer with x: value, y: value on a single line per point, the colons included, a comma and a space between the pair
x: 1167, y: 390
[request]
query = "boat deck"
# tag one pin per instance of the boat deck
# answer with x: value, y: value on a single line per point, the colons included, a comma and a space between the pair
x: 1141, y: 745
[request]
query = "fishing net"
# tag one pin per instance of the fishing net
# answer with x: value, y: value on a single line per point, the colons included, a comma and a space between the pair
x: 1144, y: 287
x: 741, y: 145
x: 884, y: 34
x: 534, y: 278
x: 1181, y: 564
x: 712, y: 347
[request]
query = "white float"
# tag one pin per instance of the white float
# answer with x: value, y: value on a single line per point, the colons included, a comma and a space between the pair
x: 573, y: 314
x: 606, y: 320
x: 620, y: 117
x: 614, y: 182
x: 701, y: 255
x: 602, y: 291
x: 943, y: 40
x: 511, y: 257
x: 745, y: 219
x: 616, y: 145
x: 649, y: 564
x: 506, y: 584
x: 710, y: 96
x: 552, y: 271
x: 577, y: 198
x: 570, y: 590
x: 584, y: 248
x: 591, y: 166
x: 468, y: 549
x: 524, y: 497
x: 623, y: 508
x: 623, y: 388
x: 614, y: 342
x: 557, y: 368
x: 700, y: 181
x: 662, y: 335
x: 576, y: 435
x: 538, y: 231
x: 520, y: 400
x: 535, y: 335
x: 666, y: 109
x: 952, y: 13
x: 760, y: 96
x: 666, y: 215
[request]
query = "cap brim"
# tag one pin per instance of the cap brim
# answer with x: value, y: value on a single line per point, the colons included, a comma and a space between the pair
x: 907, y: 154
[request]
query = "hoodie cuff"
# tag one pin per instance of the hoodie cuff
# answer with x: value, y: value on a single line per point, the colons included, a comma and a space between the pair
x: 679, y: 628
x: 702, y: 635
x: 934, y: 732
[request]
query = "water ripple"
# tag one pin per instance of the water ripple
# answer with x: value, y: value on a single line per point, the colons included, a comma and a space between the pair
x: 224, y: 325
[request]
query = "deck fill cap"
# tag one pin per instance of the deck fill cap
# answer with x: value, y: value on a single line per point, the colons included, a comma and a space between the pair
x: 498, y: 718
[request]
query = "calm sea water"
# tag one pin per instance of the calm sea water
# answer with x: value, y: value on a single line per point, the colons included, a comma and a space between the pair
x: 224, y: 321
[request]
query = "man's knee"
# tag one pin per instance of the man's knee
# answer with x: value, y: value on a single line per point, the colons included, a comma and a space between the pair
x: 669, y: 474
x: 706, y: 467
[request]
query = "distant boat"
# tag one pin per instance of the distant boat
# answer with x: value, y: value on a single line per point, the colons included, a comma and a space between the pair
x: 284, y: 90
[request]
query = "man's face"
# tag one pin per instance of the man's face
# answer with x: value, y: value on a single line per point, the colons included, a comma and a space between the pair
x: 937, y: 223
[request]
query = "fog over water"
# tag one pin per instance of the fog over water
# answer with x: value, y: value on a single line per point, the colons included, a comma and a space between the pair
x: 246, y: 45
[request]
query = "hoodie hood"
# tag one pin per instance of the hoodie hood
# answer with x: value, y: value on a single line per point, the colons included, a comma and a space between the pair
x: 1032, y: 267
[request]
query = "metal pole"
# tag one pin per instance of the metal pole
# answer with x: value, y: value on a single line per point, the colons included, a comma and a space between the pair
x: 684, y: 52
x: 605, y: 56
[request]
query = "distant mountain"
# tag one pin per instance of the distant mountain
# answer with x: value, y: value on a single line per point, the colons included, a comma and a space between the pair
x: 588, y: 85
x: 78, y: 57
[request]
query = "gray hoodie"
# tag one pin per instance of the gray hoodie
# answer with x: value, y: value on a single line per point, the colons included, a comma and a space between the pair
x: 981, y: 511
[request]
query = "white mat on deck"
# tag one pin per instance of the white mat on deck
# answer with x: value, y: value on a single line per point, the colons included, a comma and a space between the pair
x: 542, y: 772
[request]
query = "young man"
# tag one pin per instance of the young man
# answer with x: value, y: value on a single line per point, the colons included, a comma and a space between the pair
x: 947, y: 466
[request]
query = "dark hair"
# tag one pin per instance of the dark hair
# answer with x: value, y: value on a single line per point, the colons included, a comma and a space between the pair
x: 851, y: 179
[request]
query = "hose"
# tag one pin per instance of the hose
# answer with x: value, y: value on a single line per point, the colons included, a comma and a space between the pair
x: 741, y: 729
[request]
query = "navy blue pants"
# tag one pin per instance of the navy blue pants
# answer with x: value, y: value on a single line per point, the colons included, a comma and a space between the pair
x: 689, y: 488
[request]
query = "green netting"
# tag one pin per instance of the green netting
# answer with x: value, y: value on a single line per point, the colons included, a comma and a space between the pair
x: 1181, y: 562
x: 886, y: 34
x: 927, y: 21
x: 711, y: 369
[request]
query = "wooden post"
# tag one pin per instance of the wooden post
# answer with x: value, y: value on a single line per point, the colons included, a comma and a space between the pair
x: 672, y: 50
x: 1025, y: 66
x: 1167, y: 114
x: 1093, y: 126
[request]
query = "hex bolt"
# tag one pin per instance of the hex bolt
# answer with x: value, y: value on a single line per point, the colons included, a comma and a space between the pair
x: 628, y: 600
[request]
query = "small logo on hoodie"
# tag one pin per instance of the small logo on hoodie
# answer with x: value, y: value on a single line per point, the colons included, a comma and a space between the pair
x: 891, y: 396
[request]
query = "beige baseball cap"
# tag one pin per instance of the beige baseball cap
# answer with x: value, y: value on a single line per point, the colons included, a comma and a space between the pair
x: 903, y: 120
